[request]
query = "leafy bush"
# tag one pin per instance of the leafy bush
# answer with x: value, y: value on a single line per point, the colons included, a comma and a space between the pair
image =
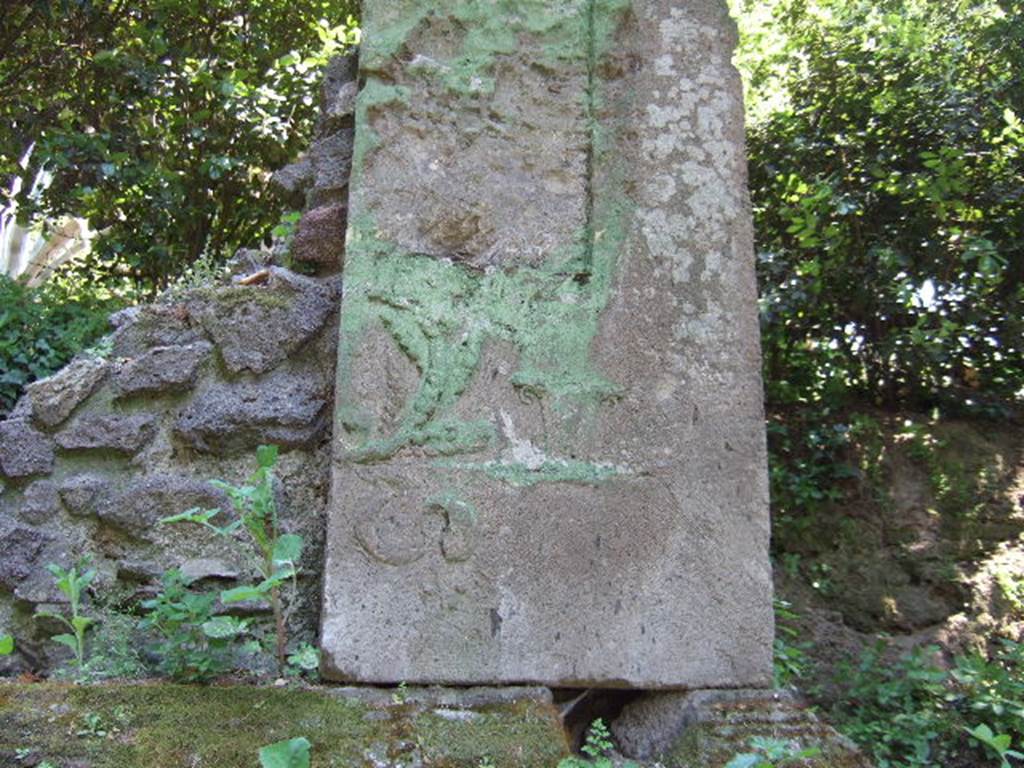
x: 915, y: 713
x: 886, y: 172
x: 41, y: 329
x: 597, y: 746
x: 178, y: 113
x: 991, y: 691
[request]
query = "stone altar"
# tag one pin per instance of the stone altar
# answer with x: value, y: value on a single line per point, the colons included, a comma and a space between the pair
x: 549, y: 454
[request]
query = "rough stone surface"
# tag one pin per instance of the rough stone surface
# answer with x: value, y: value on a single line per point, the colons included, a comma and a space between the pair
x: 258, y: 327
x: 320, y: 176
x: 121, y: 467
x: 697, y: 729
x: 320, y: 237
x: 446, y: 698
x: 201, y: 568
x: 649, y: 726
x: 125, y: 433
x: 19, y: 550
x: 53, y: 399
x: 286, y: 409
x: 164, y: 369
x: 41, y: 504
x: 549, y: 358
x: 80, y: 493
x: 141, y: 329
x: 24, y: 451
x: 339, y: 94
x: 138, y: 508
x: 332, y: 162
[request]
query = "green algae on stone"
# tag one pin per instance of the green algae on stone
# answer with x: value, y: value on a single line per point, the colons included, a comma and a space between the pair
x: 549, y: 471
x: 455, y: 507
x: 159, y: 726
x: 490, y: 29
x: 441, y: 313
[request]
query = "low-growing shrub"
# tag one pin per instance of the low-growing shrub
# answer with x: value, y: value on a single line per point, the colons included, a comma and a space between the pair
x: 916, y: 713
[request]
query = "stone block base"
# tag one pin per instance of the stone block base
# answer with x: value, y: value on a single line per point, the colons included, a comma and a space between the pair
x: 705, y: 729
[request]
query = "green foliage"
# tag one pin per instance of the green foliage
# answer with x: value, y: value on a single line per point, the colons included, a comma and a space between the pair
x: 304, y: 660
x: 1011, y: 587
x: 790, y: 660
x: 597, y: 746
x: 161, y: 119
x: 195, y: 644
x: 998, y: 743
x: 914, y: 713
x: 898, y: 712
x: 772, y: 753
x: 41, y: 329
x: 293, y: 753
x: 277, y: 553
x: 6, y: 645
x: 114, y: 649
x: 991, y: 691
x: 400, y: 694
x: 888, y: 184
x: 808, y: 469
x: 599, y: 740
x: 72, y: 583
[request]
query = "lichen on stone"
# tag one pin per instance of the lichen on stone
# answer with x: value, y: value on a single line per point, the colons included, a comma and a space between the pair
x: 441, y: 312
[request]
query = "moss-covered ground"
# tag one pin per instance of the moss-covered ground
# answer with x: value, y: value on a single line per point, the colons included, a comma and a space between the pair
x: 167, y: 726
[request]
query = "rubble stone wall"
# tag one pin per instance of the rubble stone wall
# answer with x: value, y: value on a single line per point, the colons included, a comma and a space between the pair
x: 183, y: 392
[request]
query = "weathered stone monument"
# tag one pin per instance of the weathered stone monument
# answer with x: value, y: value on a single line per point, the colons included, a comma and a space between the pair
x: 549, y: 460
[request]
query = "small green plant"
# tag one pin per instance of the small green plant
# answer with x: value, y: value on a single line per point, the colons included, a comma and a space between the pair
x: 72, y: 583
x: 998, y: 743
x: 114, y: 647
x: 93, y: 726
x: 597, y: 746
x: 292, y: 753
x: 401, y: 694
x: 6, y: 645
x: 205, y: 271
x: 897, y: 711
x: 772, y: 753
x: 195, y: 644
x: 790, y: 659
x: 304, y: 660
x: 276, y: 553
x: 599, y: 740
x: 286, y: 226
